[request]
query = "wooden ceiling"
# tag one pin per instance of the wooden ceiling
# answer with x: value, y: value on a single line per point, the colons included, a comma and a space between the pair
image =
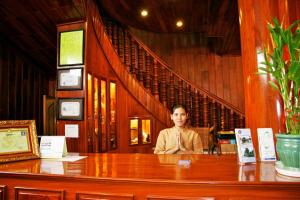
x: 31, y: 24
x: 216, y: 20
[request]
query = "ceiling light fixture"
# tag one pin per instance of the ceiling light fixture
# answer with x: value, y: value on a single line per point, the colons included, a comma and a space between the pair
x: 179, y: 23
x: 144, y: 13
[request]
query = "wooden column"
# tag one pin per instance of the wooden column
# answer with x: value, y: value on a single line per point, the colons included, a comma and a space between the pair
x: 218, y: 116
x: 262, y: 103
x: 231, y: 120
x: 241, y: 121
x: 222, y: 118
x: 121, y: 44
x: 214, y: 112
x: 148, y: 72
x: 180, y: 91
x: 155, y: 80
x: 109, y: 30
x: 196, y: 108
x: 116, y: 38
x: 163, y: 89
x: 205, y: 111
x: 171, y: 91
x: 188, y: 98
x: 127, y: 50
x: 133, y: 58
x: 140, y: 64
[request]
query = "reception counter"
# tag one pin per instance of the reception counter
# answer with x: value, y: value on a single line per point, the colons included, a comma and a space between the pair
x: 144, y: 176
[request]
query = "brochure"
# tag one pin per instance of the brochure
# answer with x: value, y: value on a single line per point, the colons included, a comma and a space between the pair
x: 266, y: 144
x: 246, y: 153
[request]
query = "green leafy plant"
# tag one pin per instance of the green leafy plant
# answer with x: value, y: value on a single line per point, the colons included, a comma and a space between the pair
x: 282, y: 62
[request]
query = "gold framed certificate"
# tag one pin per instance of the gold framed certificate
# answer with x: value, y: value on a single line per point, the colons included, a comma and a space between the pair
x: 18, y: 140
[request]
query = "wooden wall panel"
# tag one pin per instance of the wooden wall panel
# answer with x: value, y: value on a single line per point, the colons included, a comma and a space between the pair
x: 79, y: 144
x: 263, y: 107
x: 127, y: 105
x: 156, y: 197
x: 37, y: 194
x: 22, y: 85
x: 293, y: 10
x: 187, y: 55
x: 3, y: 195
x: 86, y: 196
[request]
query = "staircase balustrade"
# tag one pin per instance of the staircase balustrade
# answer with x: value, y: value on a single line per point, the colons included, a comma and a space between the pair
x: 170, y: 88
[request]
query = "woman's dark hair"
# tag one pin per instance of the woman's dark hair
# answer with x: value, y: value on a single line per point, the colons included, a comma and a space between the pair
x: 174, y: 107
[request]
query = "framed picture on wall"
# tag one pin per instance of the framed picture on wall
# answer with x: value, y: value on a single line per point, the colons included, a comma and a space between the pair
x: 18, y: 140
x: 70, y: 108
x: 69, y: 79
x: 71, y: 48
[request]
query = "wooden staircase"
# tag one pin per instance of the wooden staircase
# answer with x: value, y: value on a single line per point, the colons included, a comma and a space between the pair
x: 160, y: 82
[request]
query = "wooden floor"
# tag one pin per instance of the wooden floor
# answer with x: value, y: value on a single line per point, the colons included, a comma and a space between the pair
x: 145, y: 176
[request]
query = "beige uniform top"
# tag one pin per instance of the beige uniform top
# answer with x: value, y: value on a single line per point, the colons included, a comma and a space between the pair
x: 167, y: 141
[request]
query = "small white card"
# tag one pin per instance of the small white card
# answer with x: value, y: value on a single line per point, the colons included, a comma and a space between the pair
x: 266, y: 144
x: 72, y: 130
x: 53, y: 146
x: 245, y: 146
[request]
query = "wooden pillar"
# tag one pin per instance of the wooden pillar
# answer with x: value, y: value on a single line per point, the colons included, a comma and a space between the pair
x: 121, y: 44
x: 133, y: 58
x: 109, y: 30
x: 127, y: 50
x: 180, y: 91
x: 196, y: 109
x: 231, y: 120
x: 140, y: 64
x: 241, y: 121
x: 214, y: 112
x: 262, y: 103
x: 222, y: 117
x: 148, y: 72
x: 188, y: 98
x: 155, y: 80
x: 163, y: 89
x: 205, y: 111
x: 116, y: 38
x: 171, y: 91
x: 218, y: 116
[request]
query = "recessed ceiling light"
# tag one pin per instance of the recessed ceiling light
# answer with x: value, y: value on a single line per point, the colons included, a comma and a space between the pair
x: 144, y: 13
x: 179, y: 23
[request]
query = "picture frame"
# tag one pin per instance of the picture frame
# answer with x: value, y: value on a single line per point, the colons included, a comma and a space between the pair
x: 71, y: 48
x: 70, y: 108
x: 70, y: 79
x: 18, y: 140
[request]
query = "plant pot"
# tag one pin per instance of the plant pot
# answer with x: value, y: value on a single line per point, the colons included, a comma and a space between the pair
x: 288, y: 150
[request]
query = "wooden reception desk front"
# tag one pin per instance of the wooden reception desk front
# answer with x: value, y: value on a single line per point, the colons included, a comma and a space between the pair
x: 144, y: 176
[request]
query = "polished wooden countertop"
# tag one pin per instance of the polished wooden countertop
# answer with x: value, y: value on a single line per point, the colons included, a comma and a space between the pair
x: 203, y: 169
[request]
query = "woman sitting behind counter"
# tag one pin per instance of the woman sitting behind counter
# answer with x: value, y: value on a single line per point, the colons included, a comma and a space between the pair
x: 179, y: 139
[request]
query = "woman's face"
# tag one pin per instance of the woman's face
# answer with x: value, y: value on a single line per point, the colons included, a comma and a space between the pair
x: 179, y: 117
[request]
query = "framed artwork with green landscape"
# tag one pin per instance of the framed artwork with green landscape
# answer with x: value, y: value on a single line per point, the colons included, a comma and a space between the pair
x: 71, y: 48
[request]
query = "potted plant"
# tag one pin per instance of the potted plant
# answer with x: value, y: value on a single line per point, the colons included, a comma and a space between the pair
x: 282, y: 63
